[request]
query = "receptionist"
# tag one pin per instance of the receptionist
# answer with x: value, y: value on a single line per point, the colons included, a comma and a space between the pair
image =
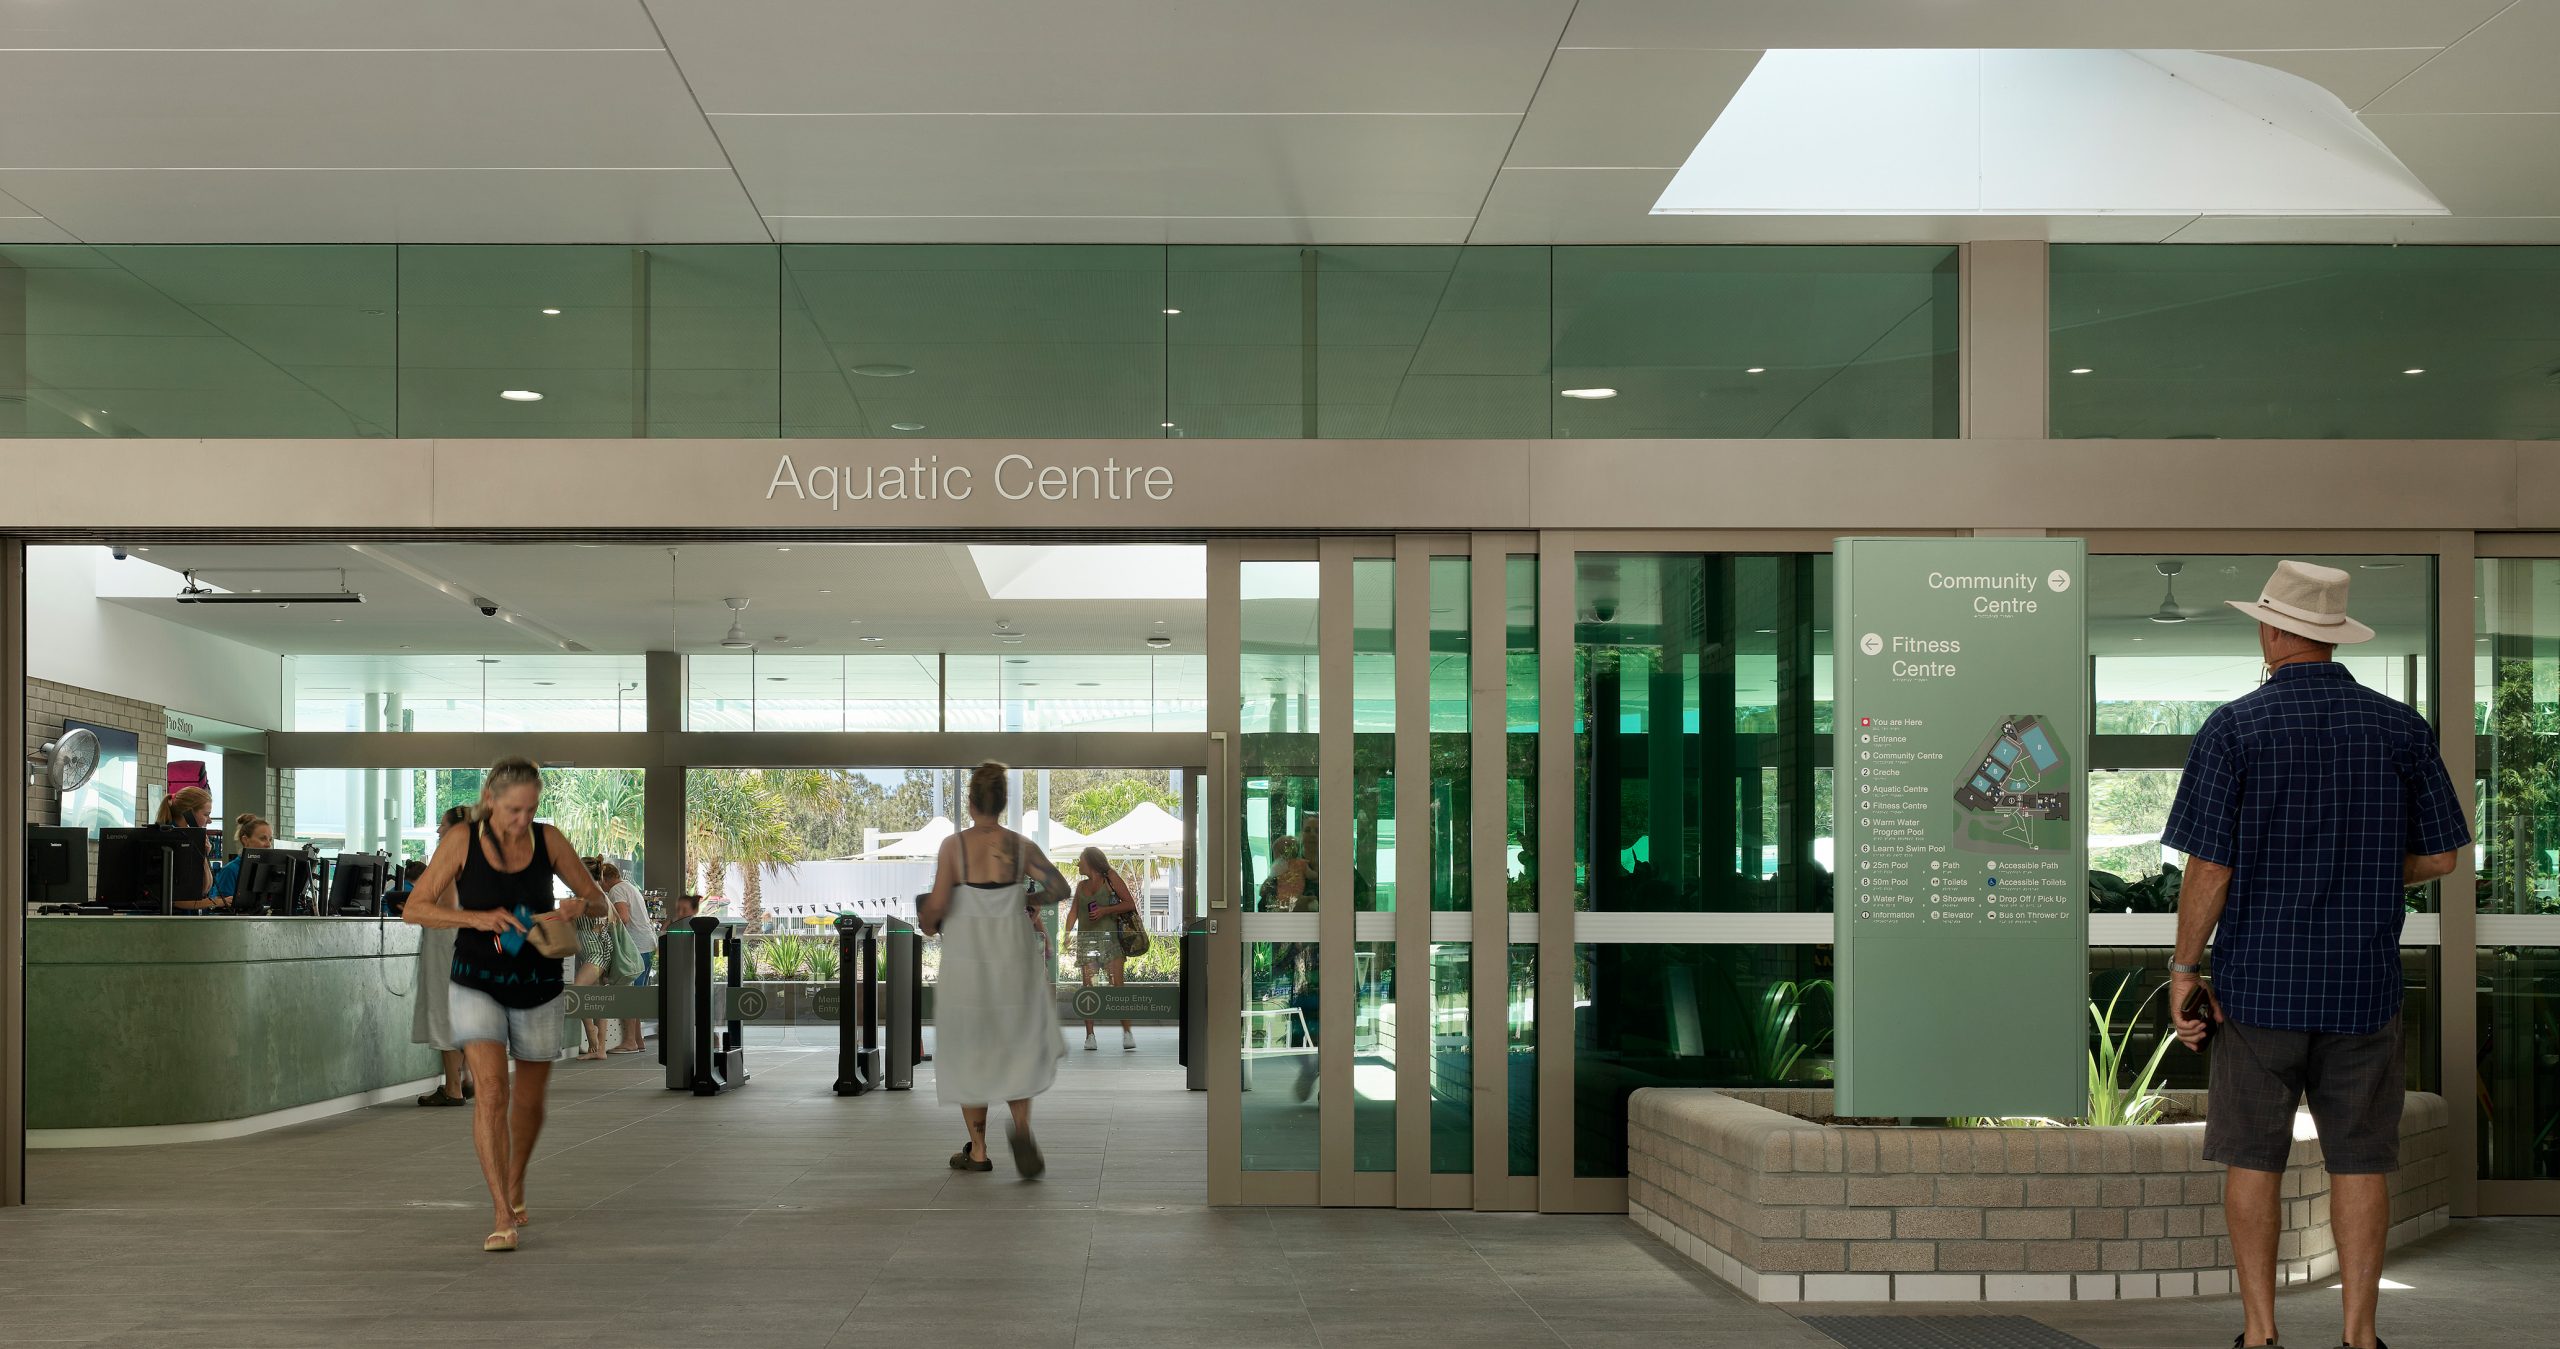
x: 247, y: 831
x: 190, y: 812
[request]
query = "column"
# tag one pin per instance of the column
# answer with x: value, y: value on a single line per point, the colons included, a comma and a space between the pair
x: 662, y: 783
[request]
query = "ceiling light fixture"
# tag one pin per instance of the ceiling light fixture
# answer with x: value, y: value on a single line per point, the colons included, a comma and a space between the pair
x: 884, y: 369
x: 2415, y: 370
x: 906, y: 426
x: 2080, y: 370
x: 1173, y: 311
x: 1587, y: 393
x: 1159, y: 641
x: 1166, y: 425
x: 520, y: 395
x: 875, y: 639
x: 736, y: 638
x: 1756, y: 370
x: 551, y: 311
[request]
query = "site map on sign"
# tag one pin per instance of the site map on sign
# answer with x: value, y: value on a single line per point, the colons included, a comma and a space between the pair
x: 2014, y: 795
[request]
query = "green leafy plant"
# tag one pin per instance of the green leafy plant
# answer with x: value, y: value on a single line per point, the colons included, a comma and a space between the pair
x: 2112, y: 1100
x: 826, y: 961
x: 783, y: 957
x: 1772, y: 1048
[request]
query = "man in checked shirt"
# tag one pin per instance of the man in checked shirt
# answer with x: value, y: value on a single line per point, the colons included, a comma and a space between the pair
x: 2307, y: 807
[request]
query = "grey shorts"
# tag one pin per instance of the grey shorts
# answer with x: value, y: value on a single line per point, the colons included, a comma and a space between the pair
x: 530, y: 1034
x: 2260, y: 1077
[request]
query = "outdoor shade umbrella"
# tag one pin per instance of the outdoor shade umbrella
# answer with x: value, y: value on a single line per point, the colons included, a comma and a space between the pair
x: 1063, y: 842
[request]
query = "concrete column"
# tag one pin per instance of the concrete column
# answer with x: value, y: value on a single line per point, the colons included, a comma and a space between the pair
x: 14, y: 380
x: 662, y: 795
x: 2007, y: 387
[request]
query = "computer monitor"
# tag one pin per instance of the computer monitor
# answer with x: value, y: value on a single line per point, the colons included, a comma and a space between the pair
x: 130, y: 870
x: 57, y: 864
x: 273, y: 882
x: 357, y: 883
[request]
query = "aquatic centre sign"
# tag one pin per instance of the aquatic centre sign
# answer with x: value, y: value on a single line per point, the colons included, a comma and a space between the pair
x: 1015, y: 477
x: 1960, y: 763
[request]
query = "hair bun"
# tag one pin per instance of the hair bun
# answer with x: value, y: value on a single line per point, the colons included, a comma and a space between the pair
x: 990, y: 786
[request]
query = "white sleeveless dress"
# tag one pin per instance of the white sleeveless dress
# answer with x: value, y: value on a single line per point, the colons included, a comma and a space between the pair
x: 995, y: 1009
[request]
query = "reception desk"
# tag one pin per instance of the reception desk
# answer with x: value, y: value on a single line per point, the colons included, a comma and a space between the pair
x: 146, y: 1023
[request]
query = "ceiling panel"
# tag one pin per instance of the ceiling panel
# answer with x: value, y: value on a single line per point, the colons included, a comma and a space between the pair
x: 1049, y: 229
x: 1229, y: 57
x: 1630, y: 109
x: 2357, y: 76
x: 2505, y: 67
x: 308, y: 24
x: 1758, y: 25
x: 1351, y: 165
x: 348, y: 109
x: 390, y: 206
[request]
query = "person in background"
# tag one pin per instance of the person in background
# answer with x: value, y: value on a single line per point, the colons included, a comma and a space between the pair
x: 492, y: 879
x: 1101, y: 897
x: 190, y: 812
x: 431, y: 1016
x: 995, y: 1008
x: 2308, y: 808
x: 596, y: 964
x: 631, y: 908
x: 247, y: 831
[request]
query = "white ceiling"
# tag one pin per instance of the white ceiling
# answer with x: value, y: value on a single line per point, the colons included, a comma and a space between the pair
x: 1189, y: 121
x: 806, y: 599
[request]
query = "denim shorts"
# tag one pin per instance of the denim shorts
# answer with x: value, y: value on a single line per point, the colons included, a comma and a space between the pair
x: 2354, y: 1083
x: 531, y: 1034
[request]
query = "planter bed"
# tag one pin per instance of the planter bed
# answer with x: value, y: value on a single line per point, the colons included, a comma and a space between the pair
x: 1792, y: 1211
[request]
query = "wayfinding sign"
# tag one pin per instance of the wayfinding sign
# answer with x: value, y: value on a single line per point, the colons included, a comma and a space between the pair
x: 1960, y: 801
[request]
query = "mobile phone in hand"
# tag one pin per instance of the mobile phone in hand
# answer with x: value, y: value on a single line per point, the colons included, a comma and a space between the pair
x: 2199, y: 1007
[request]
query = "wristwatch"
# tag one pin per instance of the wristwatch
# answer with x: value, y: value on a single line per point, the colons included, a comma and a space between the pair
x: 2176, y: 968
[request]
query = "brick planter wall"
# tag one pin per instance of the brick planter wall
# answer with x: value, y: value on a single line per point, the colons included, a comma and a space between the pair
x: 1789, y: 1211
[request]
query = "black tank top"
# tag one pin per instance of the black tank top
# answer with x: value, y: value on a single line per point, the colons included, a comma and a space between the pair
x: 507, y: 967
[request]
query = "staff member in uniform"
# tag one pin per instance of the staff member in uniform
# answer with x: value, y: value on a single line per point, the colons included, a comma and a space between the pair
x: 190, y: 813
x: 247, y: 831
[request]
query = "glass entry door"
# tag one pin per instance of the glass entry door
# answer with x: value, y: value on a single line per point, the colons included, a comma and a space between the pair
x: 1385, y: 792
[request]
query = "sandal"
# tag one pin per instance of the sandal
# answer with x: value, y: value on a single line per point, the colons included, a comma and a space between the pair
x: 500, y: 1241
x: 1026, y: 1153
x: 437, y: 1097
x: 523, y: 1219
x: 960, y: 1160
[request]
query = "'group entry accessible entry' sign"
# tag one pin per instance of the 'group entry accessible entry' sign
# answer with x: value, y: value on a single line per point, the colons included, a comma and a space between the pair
x: 1960, y: 799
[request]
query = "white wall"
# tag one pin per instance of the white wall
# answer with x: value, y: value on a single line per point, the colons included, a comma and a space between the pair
x: 74, y: 638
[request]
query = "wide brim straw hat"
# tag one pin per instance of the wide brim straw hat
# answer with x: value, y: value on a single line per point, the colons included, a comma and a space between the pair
x: 2308, y: 600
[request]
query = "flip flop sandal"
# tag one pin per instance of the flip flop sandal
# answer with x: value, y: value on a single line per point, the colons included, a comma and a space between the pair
x: 960, y: 1161
x: 500, y: 1242
x: 523, y: 1219
x: 1026, y: 1153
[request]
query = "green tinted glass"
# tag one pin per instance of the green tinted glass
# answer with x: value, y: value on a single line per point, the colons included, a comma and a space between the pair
x: 2304, y: 341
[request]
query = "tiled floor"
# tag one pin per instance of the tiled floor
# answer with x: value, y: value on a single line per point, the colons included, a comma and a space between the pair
x: 781, y: 1215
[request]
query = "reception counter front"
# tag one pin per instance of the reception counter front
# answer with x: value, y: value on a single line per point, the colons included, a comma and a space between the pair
x: 205, y: 1027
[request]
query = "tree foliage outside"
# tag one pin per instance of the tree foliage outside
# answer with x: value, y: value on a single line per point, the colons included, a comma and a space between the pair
x: 2524, y: 794
x: 2130, y: 802
x: 1092, y: 807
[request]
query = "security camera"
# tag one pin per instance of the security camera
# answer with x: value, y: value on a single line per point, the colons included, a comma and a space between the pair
x: 119, y: 552
x: 487, y: 610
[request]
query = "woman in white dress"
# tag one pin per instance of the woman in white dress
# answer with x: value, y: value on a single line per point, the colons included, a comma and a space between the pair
x: 995, y: 1008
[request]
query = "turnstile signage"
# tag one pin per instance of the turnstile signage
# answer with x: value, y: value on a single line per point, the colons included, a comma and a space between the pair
x: 1960, y: 762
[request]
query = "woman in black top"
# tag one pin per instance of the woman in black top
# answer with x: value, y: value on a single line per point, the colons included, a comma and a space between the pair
x: 188, y: 811
x: 492, y: 878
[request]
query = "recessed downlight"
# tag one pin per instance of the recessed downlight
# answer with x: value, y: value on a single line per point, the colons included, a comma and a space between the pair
x: 520, y: 395
x: 1166, y: 425
x: 1172, y: 311
x: 2081, y: 370
x: 1159, y: 641
x: 2415, y: 370
x: 1756, y: 370
x: 1587, y: 393
x: 875, y: 639
x: 906, y: 426
x: 883, y: 369
x: 551, y: 311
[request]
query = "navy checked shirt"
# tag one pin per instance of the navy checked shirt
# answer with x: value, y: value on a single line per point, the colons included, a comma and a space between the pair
x: 2312, y: 789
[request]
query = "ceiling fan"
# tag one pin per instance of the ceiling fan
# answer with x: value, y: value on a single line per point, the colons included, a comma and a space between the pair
x: 2170, y: 611
x: 70, y: 762
x: 736, y: 638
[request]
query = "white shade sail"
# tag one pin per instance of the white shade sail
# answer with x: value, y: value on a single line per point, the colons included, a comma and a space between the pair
x: 1147, y: 828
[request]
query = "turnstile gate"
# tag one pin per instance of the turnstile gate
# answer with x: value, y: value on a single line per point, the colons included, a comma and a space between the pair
x: 701, y: 1038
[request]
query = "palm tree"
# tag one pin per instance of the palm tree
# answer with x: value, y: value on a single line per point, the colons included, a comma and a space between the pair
x: 746, y: 818
x: 600, y: 809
